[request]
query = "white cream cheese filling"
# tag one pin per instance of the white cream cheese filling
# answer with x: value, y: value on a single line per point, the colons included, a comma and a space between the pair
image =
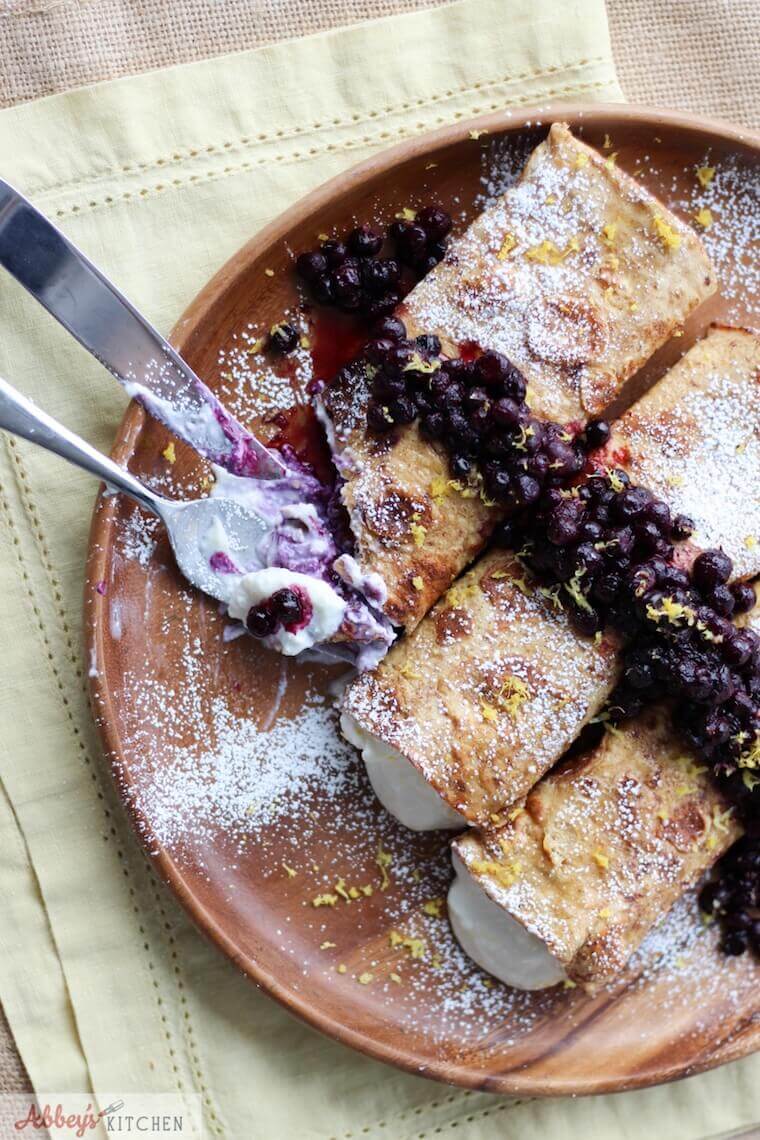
x: 327, y: 607
x: 400, y: 787
x: 494, y: 940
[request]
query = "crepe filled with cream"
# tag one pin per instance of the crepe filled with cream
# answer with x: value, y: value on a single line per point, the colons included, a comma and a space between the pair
x: 480, y: 701
x: 694, y: 441
x: 569, y: 886
x: 577, y: 274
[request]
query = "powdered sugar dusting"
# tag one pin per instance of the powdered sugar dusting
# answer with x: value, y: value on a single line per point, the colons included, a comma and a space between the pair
x: 242, y: 777
x: 695, y: 441
x: 732, y: 238
x: 256, y: 382
x: 138, y: 536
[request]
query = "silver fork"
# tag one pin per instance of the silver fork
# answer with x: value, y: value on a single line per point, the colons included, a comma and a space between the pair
x: 186, y: 522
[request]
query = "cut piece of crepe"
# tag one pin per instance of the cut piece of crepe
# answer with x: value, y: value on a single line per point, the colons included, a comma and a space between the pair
x: 694, y: 441
x: 483, y: 697
x: 577, y: 274
x: 601, y: 850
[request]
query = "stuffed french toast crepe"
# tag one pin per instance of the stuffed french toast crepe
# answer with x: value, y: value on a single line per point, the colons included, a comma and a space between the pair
x: 423, y: 717
x: 597, y: 854
x: 466, y: 714
x: 694, y: 440
x: 577, y: 274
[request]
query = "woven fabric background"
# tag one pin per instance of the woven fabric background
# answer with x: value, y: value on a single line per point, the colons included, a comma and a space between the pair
x: 697, y: 55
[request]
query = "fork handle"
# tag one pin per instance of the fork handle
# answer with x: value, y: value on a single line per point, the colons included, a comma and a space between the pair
x: 21, y: 417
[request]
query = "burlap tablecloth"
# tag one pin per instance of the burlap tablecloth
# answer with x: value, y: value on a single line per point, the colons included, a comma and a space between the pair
x: 696, y: 55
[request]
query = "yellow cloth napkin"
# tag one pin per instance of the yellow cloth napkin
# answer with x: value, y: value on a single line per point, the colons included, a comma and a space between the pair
x: 106, y: 984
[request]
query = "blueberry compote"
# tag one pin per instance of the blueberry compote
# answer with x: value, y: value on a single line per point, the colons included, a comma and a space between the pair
x: 370, y: 270
x: 474, y: 408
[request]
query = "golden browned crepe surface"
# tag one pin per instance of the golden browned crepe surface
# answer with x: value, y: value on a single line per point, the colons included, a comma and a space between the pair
x: 604, y: 846
x: 488, y: 691
x: 694, y: 441
x: 578, y: 275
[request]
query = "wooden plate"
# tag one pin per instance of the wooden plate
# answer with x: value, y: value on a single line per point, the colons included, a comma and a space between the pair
x: 260, y: 819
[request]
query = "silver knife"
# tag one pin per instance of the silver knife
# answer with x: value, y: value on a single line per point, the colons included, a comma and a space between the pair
x: 77, y: 294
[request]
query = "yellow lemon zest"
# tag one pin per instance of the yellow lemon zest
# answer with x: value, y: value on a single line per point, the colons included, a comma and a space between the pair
x: 417, y: 947
x: 324, y: 900
x: 489, y: 712
x: 673, y: 612
x: 439, y: 489
x: 417, y: 364
x: 418, y: 533
x: 608, y: 233
x: 705, y: 175
x: 573, y: 588
x: 433, y: 907
x: 547, y: 253
x: 750, y: 758
x: 383, y: 859
x: 512, y: 695
x: 505, y: 874
x: 506, y: 247
x: 169, y: 453
x: 457, y: 595
x: 340, y: 889
x: 665, y: 232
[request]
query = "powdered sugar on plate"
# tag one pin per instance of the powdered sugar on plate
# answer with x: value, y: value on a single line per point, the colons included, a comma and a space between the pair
x: 732, y: 235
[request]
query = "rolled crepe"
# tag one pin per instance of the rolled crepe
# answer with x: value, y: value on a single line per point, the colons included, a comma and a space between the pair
x: 466, y: 714
x: 569, y: 886
x: 422, y: 721
x: 694, y: 440
x: 577, y: 274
